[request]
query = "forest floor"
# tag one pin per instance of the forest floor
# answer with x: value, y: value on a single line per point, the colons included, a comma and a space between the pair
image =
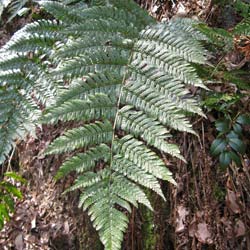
x: 209, y: 209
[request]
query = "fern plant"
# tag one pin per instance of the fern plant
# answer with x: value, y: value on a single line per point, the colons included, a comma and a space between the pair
x: 25, y: 85
x: 123, y: 77
x: 8, y: 193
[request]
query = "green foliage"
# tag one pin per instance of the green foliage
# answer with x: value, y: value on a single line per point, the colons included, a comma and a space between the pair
x: 224, y: 39
x: 242, y: 8
x: 123, y: 77
x: 8, y: 193
x: 239, y: 78
x: 14, y: 8
x: 217, y: 36
x: 229, y: 144
x: 242, y: 28
x: 221, y: 102
x: 17, y: 8
x: 24, y: 84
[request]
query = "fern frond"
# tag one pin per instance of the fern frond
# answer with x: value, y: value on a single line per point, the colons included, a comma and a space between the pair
x: 84, y: 161
x: 98, y: 106
x: 87, y: 45
x: 242, y: 28
x: 14, y: 7
x: 149, y: 101
x: 169, y: 88
x: 135, y: 151
x: 136, y: 174
x: 172, y: 63
x: 92, y: 84
x: 135, y: 76
x: 89, y: 179
x: 98, y: 26
x: 142, y: 18
x: 124, y: 78
x: 99, y: 61
x: 150, y: 130
x: 25, y: 84
x: 15, y: 125
x: 62, y: 12
x: 158, y: 40
x: 88, y: 135
x: 186, y: 27
x: 13, y: 61
x: 220, y: 37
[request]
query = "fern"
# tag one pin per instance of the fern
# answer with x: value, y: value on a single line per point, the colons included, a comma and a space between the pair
x: 13, y: 7
x: 8, y: 192
x: 217, y: 36
x: 243, y: 28
x: 24, y: 85
x: 124, y: 77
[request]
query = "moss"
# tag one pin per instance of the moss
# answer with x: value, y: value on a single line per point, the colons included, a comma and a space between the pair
x: 148, y: 232
x: 219, y: 193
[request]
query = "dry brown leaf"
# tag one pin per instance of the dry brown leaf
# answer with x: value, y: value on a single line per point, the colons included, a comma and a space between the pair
x: 240, y: 229
x: 203, y: 234
x: 19, y: 244
x: 182, y: 212
x: 231, y: 201
x: 242, y: 44
x: 192, y: 228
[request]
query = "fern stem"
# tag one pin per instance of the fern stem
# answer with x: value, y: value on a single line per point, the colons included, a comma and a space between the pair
x: 117, y: 113
x: 114, y: 126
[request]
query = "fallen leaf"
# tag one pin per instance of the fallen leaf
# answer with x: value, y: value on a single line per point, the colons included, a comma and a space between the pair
x: 231, y: 201
x: 240, y: 229
x: 192, y: 228
x: 182, y: 212
x: 203, y: 234
x: 19, y: 244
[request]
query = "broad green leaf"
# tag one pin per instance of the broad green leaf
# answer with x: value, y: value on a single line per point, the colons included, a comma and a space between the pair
x: 222, y: 125
x: 225, y: 158
x: 232, y: 134
x: 237, y: 128
x: 218, y: 146
x: 235, y: 158
x: 243, y: 119
x: 238, y: 145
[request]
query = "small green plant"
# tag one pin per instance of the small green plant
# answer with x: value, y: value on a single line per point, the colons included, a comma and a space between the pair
x: 8, y: 193
x: 242, y: 7
x: 228, y: 145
